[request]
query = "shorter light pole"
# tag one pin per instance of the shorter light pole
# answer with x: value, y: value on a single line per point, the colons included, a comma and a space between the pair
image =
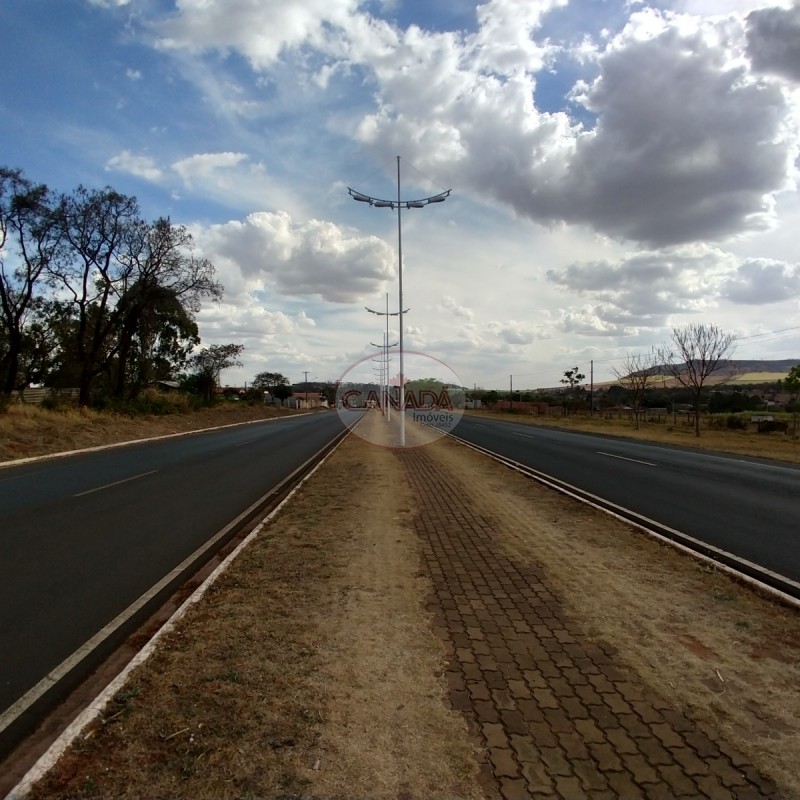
x: 388, y: 314
x: 385, y: 400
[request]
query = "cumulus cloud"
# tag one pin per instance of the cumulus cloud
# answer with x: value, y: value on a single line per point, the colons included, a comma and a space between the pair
x: 301, y: 258
x: 259, y: 29
x: 646, y: 288
x: 677, y: 142
x: 204, y: 165
x: 451, y: 305
x: 513, y: 332
x: 141, y: 166
x: 592, y: 321
x: 761, y: 281
x: 686, y: 147
x: 773, y: 41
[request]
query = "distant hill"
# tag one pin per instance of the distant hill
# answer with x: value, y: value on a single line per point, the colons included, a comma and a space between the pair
x: 734, y: 372
x: 746, y: 371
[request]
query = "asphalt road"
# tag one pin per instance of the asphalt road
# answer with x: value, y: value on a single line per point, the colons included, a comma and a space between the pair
x: 84, y: 536
x: 748, y: 507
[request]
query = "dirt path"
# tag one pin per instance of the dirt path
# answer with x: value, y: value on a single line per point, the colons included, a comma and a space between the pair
x: 429, y: 624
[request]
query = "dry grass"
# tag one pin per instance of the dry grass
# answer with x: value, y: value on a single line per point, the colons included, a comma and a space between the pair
x: 27, y: 430
x: 779, y: 446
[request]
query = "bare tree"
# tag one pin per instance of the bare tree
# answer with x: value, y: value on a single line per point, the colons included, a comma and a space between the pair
x: 635, y: 375
x: 695, y: 353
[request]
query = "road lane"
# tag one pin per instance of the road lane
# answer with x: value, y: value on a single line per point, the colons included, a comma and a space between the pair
x: 82, y: 537
x: 748, y: 507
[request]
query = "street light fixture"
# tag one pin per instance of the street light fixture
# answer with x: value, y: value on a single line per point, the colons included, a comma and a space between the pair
x: 399, y: 204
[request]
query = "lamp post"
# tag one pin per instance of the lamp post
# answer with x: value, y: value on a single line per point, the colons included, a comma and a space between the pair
x: 386, y: 405
x: 398, y: 205
x: 387, y: 314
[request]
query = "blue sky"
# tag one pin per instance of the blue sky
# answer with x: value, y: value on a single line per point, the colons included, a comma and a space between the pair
x: 618, y: 167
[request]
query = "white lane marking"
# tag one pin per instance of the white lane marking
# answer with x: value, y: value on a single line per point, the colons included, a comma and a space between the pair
x: 116, y: 483
x: 622, y: 458
x: 526, y: 435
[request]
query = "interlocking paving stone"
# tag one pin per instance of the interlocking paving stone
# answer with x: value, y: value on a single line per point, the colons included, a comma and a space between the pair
x: 557, y: 715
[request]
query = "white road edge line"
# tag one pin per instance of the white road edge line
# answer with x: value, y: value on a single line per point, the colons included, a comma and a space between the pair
x: 116, y: 483
x: 623, y: 458
x: 52, y: 755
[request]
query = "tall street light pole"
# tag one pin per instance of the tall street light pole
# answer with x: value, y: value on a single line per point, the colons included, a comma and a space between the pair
x: 398, y: 205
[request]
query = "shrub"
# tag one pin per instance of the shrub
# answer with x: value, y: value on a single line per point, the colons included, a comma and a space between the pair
x: 53, y: 401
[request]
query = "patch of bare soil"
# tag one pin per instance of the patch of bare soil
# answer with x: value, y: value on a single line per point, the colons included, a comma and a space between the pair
x: 311, y: 669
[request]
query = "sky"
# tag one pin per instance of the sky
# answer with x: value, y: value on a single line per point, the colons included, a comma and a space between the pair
x: 616, y: 168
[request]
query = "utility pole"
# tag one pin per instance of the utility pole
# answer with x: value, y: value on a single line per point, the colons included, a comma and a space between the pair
x: 510, y: 392
x: 591, y: 388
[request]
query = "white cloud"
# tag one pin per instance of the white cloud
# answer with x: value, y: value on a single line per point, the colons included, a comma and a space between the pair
x: 646, y: 289
x: 259, y: 29
x: 687, y: 146
x: 141, y: 166
x: 204, y: 165
x: 513, y: 332
x: 311, y: 258
x: 449, y: 304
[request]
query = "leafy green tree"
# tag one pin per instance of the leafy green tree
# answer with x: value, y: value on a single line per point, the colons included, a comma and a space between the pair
x: 791, y: 384
x: 209, y: 363
x: 94, y: 225
x: 29, y: 243
x: 282, y: 392
x: 573, y: 378
x: 269, y: 381
x: 161, y: 289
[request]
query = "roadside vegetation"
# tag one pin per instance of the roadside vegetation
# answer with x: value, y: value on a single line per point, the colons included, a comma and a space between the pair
x: 29, y: 430
x: 727, y: 433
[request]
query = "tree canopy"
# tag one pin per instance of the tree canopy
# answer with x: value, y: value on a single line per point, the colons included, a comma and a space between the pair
x: 92, y: 295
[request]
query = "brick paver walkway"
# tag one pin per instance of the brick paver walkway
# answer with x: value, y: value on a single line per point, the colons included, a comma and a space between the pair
x: 556, y: 715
